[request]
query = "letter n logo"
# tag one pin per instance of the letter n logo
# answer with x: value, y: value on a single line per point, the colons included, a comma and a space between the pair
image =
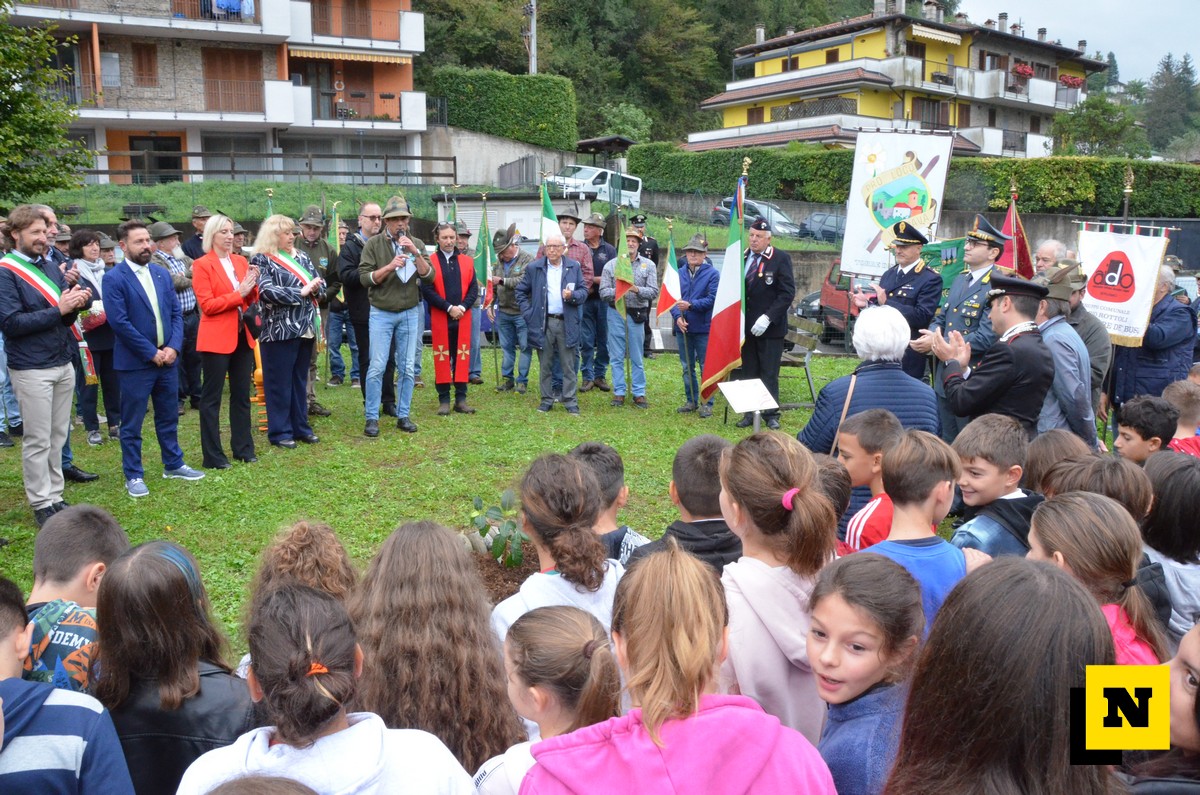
x: 1128, y: 707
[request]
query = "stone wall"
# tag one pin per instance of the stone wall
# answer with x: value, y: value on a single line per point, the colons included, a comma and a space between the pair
x: 480, y: 155
x: 180, y: 74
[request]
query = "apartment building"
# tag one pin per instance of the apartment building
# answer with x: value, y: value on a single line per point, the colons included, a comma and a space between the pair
x: 995, y: 86
x: 210, y: 89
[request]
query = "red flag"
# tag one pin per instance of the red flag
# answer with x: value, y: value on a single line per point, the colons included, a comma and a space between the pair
x: 1017, y: 256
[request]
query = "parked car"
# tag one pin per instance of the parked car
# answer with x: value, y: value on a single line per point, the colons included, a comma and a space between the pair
x: 592, y: 183
x: 810, y: 306
x: 780, y: 223
x: 825, y: 226
x: 836, y: 306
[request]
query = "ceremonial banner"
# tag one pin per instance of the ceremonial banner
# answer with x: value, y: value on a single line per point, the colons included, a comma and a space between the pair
x: 945, y: 257
x: 1122, y: 272
x: 728, y: 329
x: 1017, y: 255
x: 897, y: 177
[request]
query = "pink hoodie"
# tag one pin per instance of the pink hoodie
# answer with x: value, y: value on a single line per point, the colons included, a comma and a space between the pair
x: 730, y: 746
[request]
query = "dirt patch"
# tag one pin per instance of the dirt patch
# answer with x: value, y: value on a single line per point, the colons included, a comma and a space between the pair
x: 501, y: 582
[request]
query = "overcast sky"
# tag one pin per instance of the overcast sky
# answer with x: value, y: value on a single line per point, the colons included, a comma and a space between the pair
x: 1138, y: 34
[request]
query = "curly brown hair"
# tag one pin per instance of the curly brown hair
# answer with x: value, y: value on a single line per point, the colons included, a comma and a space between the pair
x: 307, y: 553
x: 431, y: 659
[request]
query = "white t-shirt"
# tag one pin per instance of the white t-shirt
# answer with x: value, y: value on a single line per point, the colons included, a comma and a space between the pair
x: 547, y: 589
x: 502, y: 775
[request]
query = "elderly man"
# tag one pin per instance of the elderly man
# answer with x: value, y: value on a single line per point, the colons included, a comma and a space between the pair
x: 1049, y: 252
x: 505, y: 312
x: 1090, y: 330
x: 391, y: 268
x: 312, y: 242
x: 194, y: 245
x: 770, y: 289
x: 451, y: 297
x: 595, y: 314
x: 1165, y: 354
x: 550, y: 295
x: 692, y: 318
x: 626, y: 333
x: 568, y: 222
x: 1068, y: 404
x: 914, y: 290
x: 165, y: 245
x: 965, y: 312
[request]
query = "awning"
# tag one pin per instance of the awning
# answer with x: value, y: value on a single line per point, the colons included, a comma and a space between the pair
x: 931, y: 34
x: 348, y: 55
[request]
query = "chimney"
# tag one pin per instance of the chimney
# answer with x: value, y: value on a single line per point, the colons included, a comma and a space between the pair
x: 791, y: 31
x: 1041, y: 34
x: 1082, y: 45
x: 1003, y: 22
x: 929, y: 10
x: 990, y: 24
x: 941, y: 11
x: 760, y: 33
x: 961, y: 19
x: 1015, y: 30
x: 881, y: 8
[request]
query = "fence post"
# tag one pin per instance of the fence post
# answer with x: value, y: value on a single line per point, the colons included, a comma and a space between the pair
x: 232, y: 166
x: 308, y: 157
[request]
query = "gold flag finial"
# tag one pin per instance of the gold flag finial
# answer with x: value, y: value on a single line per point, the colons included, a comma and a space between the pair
x: 270, y: 193
x: 483, y: 195
x: 1012, y: 184
x: 746, y: 166
x: 1128, y: 178
x: 670, y: 224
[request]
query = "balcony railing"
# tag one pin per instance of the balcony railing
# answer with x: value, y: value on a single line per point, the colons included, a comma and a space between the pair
x: 354, y: 21
x: 381, y: 107
x: 827, y: 106
x: 233, y: 96
x: 1014, y: 141
x: 1067, y: 96
x: 437, y: 111
x: 216, y: 10
x: 83, y: 92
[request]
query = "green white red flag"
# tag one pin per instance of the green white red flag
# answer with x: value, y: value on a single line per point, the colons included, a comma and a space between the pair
x: 668, y: 295
x: 728, y: 329
x: 549, y: 217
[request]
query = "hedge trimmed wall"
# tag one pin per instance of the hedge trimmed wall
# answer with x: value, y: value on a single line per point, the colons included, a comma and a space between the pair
x: 1067, y: 185
x: 536, y: 109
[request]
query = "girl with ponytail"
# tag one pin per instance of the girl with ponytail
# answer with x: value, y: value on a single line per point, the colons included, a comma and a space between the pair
x: 305, y: 668
x: 559, y: 505
x: 670, y: 634
x: 562, y: 675
x: 1094, y: 539
x: 770, y: 500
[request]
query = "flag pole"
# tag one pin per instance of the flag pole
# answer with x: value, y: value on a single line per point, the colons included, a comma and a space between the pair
x: 683, y: 334
x: 487, y: 244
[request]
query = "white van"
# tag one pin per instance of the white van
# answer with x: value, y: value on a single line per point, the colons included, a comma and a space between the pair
x: 589, y: 182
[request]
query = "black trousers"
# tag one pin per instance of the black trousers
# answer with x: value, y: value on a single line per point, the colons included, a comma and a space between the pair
x: 460, y: 388
x: 362, y: 333
x: 239, y: 366
x: 189, y: 360
x: 760, y: 359
x: 88, y: 393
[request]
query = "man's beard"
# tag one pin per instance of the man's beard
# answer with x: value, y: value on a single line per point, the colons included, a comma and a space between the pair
x: 139, y: 259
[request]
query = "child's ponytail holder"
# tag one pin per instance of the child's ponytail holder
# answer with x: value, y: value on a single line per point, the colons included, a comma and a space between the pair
x: 316, y: 668
x: 788, y: 497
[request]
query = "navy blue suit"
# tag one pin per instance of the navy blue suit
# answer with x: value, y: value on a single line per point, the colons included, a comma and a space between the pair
x: 131, y: 318
x: 915, y: 295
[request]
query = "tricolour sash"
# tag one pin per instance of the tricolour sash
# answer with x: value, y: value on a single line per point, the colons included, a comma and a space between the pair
x: 293, y: 266
x: 26, y: 271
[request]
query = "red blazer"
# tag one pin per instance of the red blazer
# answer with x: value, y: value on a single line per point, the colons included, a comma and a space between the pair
x: 219, y: 303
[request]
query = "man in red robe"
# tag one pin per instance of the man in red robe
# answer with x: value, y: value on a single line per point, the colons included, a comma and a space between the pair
x: 450, y: 297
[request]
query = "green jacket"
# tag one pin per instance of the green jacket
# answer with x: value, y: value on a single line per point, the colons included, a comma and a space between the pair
x: 392, y: 295
x: 506, y: 287
x: 321, y: 255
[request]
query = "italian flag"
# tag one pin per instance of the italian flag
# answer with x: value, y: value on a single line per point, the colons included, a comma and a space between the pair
x: 484, y: 256
x: 622, y: 273
x: 668, y: 296
x: 728, y: 330
x: 549, y: 217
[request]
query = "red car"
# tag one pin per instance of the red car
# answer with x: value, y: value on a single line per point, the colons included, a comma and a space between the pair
x: 836, y: 305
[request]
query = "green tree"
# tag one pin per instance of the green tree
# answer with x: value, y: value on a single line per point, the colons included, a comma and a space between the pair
x: 1171, y: 106
x: 471, y: 33
x: 1097, y: 81
x: 1099, y: 128
x: 1185, y: 148
x: 626, y: 119
x: 1136, y: 90
x: 36, y: 153
x: 1114, y: 73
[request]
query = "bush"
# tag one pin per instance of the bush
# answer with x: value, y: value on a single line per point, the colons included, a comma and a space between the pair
x: 1066, y: 185
x: 536, y: 109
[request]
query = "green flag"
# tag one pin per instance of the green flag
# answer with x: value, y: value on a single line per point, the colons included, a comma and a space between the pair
x: 484, y: 255
x: 622, y: 272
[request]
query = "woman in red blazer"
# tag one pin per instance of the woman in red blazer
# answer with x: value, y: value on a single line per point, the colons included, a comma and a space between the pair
x: 225, y: 285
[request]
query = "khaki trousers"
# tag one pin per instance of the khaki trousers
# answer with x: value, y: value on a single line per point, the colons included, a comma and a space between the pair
x: 45, y: 399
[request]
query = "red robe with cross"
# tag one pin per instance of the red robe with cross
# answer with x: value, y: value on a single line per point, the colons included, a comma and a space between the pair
x: 453, y: 285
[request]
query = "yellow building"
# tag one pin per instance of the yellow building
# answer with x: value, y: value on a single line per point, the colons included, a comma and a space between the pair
x: 997, y: 88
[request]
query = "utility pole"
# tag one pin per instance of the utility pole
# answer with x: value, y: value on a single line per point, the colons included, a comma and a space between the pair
x: 531, y: 35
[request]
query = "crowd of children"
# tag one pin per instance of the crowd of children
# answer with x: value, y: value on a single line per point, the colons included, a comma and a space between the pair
x: 749, y: 649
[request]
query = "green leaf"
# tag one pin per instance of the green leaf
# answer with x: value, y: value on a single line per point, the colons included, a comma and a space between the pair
x: 478, y: 502
x: 498, y: 545
x: 516, y: 555
x: 508, y: 500
x: 494, y: 515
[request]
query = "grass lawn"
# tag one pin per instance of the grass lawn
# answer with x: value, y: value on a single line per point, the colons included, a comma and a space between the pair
x: 365, y: 487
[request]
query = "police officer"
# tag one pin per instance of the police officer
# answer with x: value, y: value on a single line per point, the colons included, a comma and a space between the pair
x: 770, y: 288
x: 648, y: 248
x: 312, y: 242
x: 913, y: 289
x: 965, y: 312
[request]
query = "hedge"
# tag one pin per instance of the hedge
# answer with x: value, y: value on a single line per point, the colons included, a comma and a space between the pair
x: 536, y: 109
x: 1066, y: 185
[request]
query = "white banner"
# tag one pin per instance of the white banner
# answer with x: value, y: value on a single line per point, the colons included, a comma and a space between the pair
x: 897, y: 177
x: 1122, y: 273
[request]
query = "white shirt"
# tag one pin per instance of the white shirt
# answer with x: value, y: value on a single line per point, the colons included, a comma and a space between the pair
x: 979, y: 274
x: 227, y: 263
x: 554, y: 275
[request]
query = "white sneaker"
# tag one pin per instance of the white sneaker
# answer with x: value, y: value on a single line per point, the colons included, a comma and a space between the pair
x: 95, y: 438
x: 184, y: 472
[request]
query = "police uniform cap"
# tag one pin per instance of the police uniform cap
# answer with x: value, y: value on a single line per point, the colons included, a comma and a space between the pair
x: 761, y: 225
x: 312, y: 216
x: 1014, y: 285
x: 638, y: 220
x: 908, y: 235
x: 984, y: 231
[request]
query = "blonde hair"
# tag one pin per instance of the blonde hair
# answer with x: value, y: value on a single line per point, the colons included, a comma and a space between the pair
x: 670, y: 614
x: 267, y: 241
x: 1101, y: 543
x: 211, y: 227
x: 758, y: 473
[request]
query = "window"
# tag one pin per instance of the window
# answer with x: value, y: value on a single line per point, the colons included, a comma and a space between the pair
x: 1035, y: 125
x: 833, y: 56
x: 964, y: 115
x: 233, y: 80
x: 914, y: 49
x: 791, y: 64
x: 1042, y: 71
x: 931, y: 113
x: 755, y: 116
x: 991, y: 117
x: 145, y: 65
x: 110, y: 70
x: 989, y: 61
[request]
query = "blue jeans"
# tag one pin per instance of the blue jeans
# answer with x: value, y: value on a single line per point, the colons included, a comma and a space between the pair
x: 511, y: 329
x: 8, y: 398
x: 339, y: 328
x: 386, y: 328
x: 419, y: 348
x: 692, y: 362
x: 617, y: 328
x: 476, y: 366
x: 594, y: 345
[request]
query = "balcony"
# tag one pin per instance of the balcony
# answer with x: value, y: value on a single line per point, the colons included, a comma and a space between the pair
x: 355, y: 20
x: 233, y: 96
x: 244, y: 11
x: 825, y: 106
x: 359, y: 110
x: 996, y: 142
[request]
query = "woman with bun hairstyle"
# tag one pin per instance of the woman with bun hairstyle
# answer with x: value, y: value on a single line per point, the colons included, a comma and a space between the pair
x: 432, y: 661
x: 305, y: 670
x: 770, y: 500
x: 562, y: 675
x: 670, y: 634
x: 559, y: 505
x: 989, y: 708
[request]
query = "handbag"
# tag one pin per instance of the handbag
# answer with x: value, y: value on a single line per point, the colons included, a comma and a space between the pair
x: 638, y: 316
x: 252, y: 317
x: 841, y: 419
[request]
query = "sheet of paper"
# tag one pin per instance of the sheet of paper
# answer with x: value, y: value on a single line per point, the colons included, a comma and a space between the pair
x: 750, y: 395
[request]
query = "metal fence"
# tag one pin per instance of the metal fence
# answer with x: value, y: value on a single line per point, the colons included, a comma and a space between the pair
x: 520, y: 173
x: 148, y: 167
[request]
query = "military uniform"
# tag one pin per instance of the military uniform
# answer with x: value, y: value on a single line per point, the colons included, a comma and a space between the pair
x: 648, y: 249
x: 914, y: 292
x: 770, y: 289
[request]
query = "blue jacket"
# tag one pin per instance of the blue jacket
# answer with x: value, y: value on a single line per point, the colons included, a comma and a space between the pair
x: 861, y: 737
x: 37, y: 336
x: 532, y: 298
x: 132, y: 318
x: 1164, y: 356
x: 701, y: 292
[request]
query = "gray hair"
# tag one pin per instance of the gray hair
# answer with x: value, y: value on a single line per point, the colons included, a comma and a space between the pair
x: 1166, y: 276
x: 554, y: 236
x: 881, y: 334
x: 1055, y: 307
x: 1060, y: 248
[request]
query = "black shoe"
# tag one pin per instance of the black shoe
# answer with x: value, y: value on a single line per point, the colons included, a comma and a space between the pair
x: 287, y: 444
x: 443, y: 410
x: 16, y: 430
x: 545, y: 405
x: 371, y: 428
x: 182, y: 409
x: 573, y: 410
x: 335, y: 381
x: 475, y: 380
x: 114, y: 431
x: 61, y: 505
x: 77, y: 475
x: 406, y: 425
x: 5, y: 441
x: 773, y: 423
x: 40, y: 515
x: 388, y: 409
x: 218, y: 465
x: 318, y: 410
x: 506, y: 386
x: 311, y: 438
x: 195, y: 403
x: 250, y: 459
x: 745, y: 422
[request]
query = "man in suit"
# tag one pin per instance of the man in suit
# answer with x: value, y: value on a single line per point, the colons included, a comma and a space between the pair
x: 166, y: 242
x: 145, y: 316
x: 965, y: 312
x: 1015, y: 374
x: 911, y: 288
x: 770, y: 288
x: 549, y: 294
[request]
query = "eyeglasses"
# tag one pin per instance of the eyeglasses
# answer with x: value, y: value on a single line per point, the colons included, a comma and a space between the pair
x: 972, y: 243
x: 371, y: 217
